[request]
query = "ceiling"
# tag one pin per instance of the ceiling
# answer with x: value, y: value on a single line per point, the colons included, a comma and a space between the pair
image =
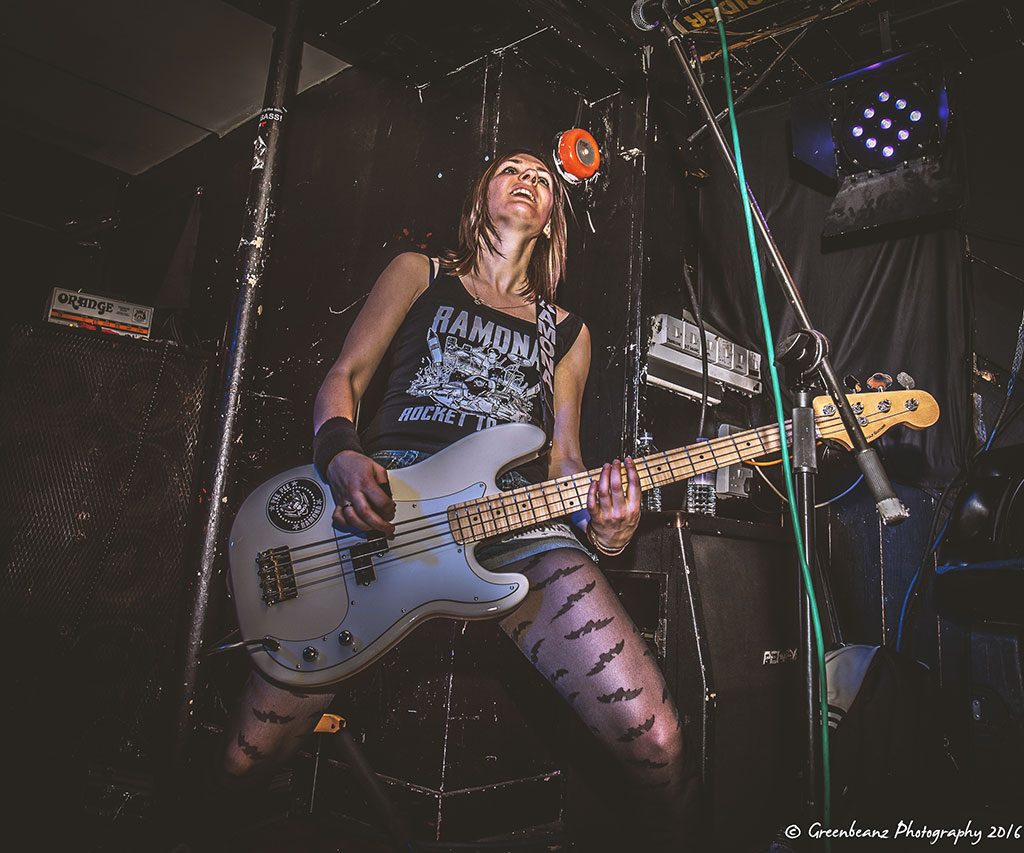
x: 129, y: 83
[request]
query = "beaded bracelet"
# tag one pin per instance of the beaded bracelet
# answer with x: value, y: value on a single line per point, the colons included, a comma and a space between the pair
x: 334, y: 436
x: 593, y: 541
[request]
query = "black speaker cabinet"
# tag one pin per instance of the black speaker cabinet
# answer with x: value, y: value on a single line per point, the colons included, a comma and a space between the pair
x: 99, y: 440
x: 718, y: 601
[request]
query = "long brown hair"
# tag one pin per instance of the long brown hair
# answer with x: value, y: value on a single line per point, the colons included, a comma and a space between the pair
x: 476, y: 229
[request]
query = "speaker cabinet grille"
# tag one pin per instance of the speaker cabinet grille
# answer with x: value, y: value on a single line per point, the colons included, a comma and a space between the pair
x: 99, y: 440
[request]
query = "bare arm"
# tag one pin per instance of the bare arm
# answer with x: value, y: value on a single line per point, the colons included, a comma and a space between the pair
x: 394, y: 292
x: 613, y: 514
x: 355, y: 479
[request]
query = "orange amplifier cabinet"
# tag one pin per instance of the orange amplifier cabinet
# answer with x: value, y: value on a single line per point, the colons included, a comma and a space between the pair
x: 84, y: 310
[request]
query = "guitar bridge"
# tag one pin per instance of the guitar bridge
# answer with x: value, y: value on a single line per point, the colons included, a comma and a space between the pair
x: 276, y: 574
x: 376, y: 545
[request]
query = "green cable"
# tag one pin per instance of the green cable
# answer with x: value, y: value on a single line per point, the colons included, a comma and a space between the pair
x: 770, y: 344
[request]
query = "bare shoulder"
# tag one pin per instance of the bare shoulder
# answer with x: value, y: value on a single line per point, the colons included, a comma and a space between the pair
x: 409, y: 265
x: 408, y: 274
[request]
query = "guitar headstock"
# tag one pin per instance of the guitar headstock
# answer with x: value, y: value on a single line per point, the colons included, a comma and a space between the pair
x: 876, y: 411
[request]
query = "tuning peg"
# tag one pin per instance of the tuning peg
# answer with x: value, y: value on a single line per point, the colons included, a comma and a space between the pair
x: 880, y: 381
x: 852, y: 383
x: 906, y: 380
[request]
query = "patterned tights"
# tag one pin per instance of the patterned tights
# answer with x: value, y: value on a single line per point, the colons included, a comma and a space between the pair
x: 574, y: 630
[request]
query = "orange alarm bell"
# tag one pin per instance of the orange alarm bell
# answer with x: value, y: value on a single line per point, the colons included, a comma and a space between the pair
x: 576, y: 155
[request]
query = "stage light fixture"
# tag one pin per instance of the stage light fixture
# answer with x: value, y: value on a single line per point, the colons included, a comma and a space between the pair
x: 880, y: 134
x: 576, y: 155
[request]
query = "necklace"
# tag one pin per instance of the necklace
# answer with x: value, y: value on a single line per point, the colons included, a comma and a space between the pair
x: 478, y: 301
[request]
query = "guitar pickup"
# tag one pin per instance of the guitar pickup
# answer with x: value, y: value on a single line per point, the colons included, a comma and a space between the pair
x: 276, y: 574
x: 376, y: 545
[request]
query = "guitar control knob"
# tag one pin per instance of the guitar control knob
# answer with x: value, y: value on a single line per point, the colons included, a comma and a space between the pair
x: 346, y: 638
x: 310, y: 654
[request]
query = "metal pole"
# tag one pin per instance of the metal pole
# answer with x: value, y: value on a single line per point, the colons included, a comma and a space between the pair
x: 889, y: 506
x: 253, y: 254
x: 805, y: 469
x: 633, y: 355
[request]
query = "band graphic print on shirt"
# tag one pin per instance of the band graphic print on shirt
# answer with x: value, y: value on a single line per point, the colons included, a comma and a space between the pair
x: 477, y: 373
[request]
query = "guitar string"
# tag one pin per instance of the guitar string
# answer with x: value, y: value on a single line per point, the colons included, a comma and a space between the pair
x: 576, y: 484
x: 497, y: 503
x: 399, y: 558
x: 493, y: 507
x: 500, y: 501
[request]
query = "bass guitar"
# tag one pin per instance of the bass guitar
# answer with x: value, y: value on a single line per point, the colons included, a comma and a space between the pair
x: 317, y: 603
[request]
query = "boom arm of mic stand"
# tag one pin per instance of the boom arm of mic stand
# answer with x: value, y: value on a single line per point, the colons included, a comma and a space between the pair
x: 889, y: 506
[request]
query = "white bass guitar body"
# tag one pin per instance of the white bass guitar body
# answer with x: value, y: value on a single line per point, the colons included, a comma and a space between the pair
x: 317, y: 603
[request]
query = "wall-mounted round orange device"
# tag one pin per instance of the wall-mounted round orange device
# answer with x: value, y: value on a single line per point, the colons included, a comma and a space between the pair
x: 576, y: 155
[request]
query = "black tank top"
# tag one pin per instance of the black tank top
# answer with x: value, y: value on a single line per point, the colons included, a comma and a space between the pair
x: 457, y: 368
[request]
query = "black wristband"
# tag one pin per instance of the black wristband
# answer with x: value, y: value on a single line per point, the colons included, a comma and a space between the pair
x: 334, y: 436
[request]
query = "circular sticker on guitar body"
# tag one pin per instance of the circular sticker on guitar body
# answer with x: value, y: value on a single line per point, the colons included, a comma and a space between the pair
x: 296, y: 505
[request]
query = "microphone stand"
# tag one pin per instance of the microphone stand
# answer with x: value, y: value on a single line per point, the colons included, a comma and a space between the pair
x: 889, y: 506
x: 801, y: 354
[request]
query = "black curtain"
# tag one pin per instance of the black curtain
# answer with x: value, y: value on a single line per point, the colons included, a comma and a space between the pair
x: 887, y: 303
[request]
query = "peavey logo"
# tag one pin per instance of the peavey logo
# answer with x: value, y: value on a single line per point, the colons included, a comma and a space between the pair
x: 773, y: 656
x: 79, y: 302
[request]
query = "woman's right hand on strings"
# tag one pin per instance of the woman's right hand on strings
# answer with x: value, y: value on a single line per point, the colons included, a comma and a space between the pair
x: 360, y: 493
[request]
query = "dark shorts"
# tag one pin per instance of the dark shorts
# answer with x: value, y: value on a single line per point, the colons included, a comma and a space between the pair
x: 500, y: 551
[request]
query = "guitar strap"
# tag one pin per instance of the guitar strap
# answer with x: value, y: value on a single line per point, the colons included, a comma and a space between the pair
x: 546, y: 321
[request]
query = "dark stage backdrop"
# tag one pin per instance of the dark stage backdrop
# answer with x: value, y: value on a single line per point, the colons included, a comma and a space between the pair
x: 895, y: 303
x: 992, y: 222
x: 934, y: 304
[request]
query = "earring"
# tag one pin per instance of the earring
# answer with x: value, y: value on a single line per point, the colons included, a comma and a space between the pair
x: 547, y: 229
